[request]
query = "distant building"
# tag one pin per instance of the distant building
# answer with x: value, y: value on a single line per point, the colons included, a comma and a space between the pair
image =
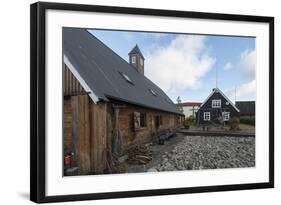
x: 189, y: 108
x: 216, y: 109
x: 247, y: 108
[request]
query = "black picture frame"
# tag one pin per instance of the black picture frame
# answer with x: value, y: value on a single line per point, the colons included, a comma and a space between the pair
x: 38, y: 100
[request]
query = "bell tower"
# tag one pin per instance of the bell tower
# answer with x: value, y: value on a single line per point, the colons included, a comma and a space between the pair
x: 136, y: 59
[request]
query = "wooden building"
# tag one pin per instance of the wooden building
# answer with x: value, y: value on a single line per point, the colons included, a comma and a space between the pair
x: 247, y: 108
x: 109, y: 105
x: 216, y: 109
x: 189, y: 108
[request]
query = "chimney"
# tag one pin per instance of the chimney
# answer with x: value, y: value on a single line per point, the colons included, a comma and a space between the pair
x: 136, y: 59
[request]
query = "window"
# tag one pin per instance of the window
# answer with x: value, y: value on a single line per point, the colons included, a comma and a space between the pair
x: 226, y: 116
x: 207, y: 116
x: 161, y: 120
x: 157, y: 120
x: 143, y: 120
x: 139, y: 120
x: 134, y: 59
x: 136, y: 118
x: 153, y: 92
x: 127, y: 78
x: 141, y: 61
x: 216, y: 103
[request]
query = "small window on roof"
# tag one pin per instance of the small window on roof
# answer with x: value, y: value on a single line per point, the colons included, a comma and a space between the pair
x: 153, y: 92
x: 127, y: 78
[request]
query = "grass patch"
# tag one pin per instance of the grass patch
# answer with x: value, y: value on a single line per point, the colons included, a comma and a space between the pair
x: 246, y: 127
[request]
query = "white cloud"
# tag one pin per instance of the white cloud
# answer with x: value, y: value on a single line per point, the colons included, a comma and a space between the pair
x: 243, y: 91
x: 180, y: 65
x: 129, y: 37
x: 227, y: 66
x: 248, y: 62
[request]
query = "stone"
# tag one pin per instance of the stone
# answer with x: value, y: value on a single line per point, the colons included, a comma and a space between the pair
x: 152, y: 169
x: 207, y: 152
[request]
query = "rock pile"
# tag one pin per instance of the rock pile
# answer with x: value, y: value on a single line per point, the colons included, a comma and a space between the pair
x: 206, y: 152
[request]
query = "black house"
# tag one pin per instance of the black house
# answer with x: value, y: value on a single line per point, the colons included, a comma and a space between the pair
x: 216, y: 109
x: 247, y: 108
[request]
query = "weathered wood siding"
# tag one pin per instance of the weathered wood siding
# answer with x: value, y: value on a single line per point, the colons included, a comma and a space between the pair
x: 81, y: 131
x: 71, y: 86
x: 98, y: 139
x: 144, y: 134
x: 67, y: 125
x: 85, y: 127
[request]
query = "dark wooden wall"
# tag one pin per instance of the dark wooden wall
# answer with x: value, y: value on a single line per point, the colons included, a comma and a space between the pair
x: 215, y: 112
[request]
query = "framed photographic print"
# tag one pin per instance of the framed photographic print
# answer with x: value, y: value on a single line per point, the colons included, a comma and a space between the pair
x: 129, y: 102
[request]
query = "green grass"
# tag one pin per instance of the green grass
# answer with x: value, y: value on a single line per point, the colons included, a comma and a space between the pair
x: 243, y: 127
x: 246, y: 127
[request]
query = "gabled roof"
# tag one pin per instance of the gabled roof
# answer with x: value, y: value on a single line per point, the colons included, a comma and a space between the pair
x: 189, y: 104
x: 219, y: 91
x: 136, y: 50
x: 101, y: 70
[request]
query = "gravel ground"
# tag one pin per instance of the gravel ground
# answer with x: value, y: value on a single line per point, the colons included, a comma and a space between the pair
x: 206, y: 152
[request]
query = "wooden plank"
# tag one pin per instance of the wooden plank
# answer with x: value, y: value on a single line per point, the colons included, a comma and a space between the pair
x: 74, y: 106
x: 67, y: 125
x: 83, y: 135
x: 71, y: 84
x: 87, y: 133
x: 93, y: 132
x: 98, y: 136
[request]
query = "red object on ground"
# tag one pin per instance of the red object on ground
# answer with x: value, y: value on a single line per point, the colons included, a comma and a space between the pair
x: 68, y: 160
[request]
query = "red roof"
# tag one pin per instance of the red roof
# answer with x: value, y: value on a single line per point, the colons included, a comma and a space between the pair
x: 189, y: 104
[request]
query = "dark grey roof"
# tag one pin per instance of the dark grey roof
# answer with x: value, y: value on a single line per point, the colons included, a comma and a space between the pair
x: 246, y: 107
x: 217, y: 90
x: 102, y: 69
x: 136, y: 50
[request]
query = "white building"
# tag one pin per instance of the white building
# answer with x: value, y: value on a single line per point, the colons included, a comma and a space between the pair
x: 189, y: 108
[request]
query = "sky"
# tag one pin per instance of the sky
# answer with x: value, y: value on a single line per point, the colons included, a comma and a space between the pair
x: 189, y: 65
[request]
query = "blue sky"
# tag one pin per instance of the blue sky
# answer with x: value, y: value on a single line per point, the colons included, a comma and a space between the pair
x: 185, y: 65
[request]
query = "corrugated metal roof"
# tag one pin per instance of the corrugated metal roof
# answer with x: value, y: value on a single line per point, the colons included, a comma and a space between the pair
x: 100, y: 68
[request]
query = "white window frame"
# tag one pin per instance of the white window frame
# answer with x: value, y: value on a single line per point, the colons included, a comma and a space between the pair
x: 127, y: 78
x: 134, y: 59
x: 153, y: 92
x: 224, y: 114
x: 216, y: 103
x: 207, y: 116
